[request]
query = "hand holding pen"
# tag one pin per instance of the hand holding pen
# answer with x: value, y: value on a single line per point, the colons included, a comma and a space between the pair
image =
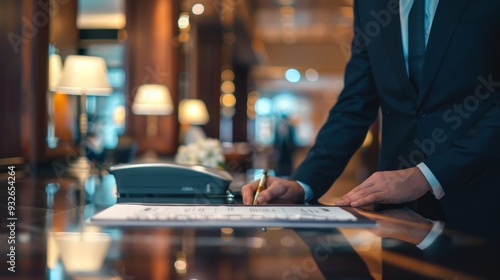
x: 261, y: 186
x: 270, y: 189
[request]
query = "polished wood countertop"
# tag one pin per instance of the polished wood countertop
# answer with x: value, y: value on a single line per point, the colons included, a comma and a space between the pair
x: 53, y: 242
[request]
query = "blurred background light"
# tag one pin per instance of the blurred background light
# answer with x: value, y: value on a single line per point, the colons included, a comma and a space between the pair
x: 198, y: 9
x: 285, y: 104
x: 292, y: 75
x: 227, y: 75
x: 228, y: 99
x: 312, y: 75
x: 264, y: 106
x: 183, y: 21
x: 227, y: 87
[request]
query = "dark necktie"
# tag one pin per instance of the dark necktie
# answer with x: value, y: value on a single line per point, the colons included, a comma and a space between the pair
x: 416, y: 43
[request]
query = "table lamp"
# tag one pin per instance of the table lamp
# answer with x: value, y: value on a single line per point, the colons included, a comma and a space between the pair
x: 55, y: 69
x: 84, y: 75
x: 152, y: 100
x: 192, y: 112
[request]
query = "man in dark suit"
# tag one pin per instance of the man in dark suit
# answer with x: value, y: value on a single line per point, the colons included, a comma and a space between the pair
x: 432, y: 68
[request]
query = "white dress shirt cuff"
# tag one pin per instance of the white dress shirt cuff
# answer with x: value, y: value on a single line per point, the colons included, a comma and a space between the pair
x: 436, y: 230
x: 308, y: 193
x: 436, y: 187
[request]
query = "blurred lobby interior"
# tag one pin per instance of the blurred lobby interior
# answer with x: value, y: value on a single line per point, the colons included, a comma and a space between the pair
x: 239, y: 85
x: 268, y: 71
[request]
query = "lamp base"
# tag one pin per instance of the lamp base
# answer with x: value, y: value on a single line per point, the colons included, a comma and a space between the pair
x: 80, y: 168
x: 193, y: 134
x: 149, y: 156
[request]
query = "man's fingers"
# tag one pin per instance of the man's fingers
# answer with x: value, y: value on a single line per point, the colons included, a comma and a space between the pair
x: 388, y: 187
x: 355, y: 200
x: 366, y: 200
x: 273, y: 191
x: 359, y: 191
x: 367, y: 184
x: 277, y: 190
x: 248, y: 192
x: 362, y: 191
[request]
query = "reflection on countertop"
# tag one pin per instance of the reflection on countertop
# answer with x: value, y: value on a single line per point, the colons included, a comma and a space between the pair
x: 53, y: 242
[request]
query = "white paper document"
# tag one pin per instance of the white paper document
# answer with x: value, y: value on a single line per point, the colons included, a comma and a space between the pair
x: 228, y: 215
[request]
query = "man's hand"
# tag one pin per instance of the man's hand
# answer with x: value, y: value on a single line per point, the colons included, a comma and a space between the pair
x: 277, y: 190
x: 388, y: 187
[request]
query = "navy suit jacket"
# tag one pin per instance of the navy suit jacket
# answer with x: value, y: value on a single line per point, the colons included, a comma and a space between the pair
x: 452, y: 124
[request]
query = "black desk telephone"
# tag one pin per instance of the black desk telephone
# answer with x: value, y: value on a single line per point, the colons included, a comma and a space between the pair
x: 156, y: 180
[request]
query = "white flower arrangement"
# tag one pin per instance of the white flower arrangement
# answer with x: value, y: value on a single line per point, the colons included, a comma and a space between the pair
x: 206, y: 152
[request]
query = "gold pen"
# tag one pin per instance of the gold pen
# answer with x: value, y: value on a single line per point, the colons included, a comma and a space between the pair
x: 261, y: 186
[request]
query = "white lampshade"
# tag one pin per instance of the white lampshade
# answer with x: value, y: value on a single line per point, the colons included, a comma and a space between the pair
x: 55, y: 69
x: 152, y: 99
x: 84, y: 75
x: 193, y: 111
x: 82, y: 251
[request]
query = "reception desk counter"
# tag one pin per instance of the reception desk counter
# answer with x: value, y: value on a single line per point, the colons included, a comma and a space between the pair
x: 46, y: 237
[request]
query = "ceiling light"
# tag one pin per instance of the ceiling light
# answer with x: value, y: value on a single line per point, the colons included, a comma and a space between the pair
x: 198, y: 9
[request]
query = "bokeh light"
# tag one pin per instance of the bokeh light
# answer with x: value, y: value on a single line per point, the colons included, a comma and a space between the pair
x: 198, y: 9
x: 227, y: 75
x: 285, y: 104
x: 312, y: 75
x: 292, y: 75
x: 183, y: 21
x: 228, y: 99
x: 264, y: 106
x: 227, y: 87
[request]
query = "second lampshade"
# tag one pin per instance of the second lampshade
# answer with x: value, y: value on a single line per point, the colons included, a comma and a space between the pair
x: 152, y: 99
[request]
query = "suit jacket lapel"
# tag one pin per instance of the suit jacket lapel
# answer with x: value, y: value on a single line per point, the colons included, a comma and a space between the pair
x: 394, y: 48
x: 447, y: 16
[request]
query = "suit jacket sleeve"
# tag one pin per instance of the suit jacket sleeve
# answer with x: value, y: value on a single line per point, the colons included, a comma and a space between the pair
x: 471, y: 156
x: 347, y: 124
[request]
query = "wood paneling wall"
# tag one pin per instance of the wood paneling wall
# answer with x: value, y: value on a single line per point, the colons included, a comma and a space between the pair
x: 64, y: 35
x: 25, y: 25
x: 34, y: 81
x: 241, y: 74
x: 209, y: 66
x: 28, y: 26
x: 23, y: 78
x: 152, y: 57
x: 11, y: 13
x: 63, y: 30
